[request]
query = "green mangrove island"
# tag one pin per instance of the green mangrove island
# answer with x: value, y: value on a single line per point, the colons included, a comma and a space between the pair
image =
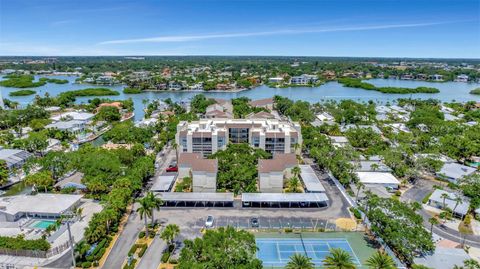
x: 92, y: 92
x: 475, y: 91
x: 129, y: 90
x: 358, y: 83
x: 22, y: 93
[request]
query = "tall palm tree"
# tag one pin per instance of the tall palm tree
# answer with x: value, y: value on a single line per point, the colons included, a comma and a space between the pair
x: 339, y: 259
x: 294, y: 185
x: 359, y: 186
x: 380, y: 260
x: 175, y: 147
x: 155, y: 203
x: 299, y: 261
x: 145, y: 211
x: 433, y: 221
x: 458, y: 201
x: 444, y: 196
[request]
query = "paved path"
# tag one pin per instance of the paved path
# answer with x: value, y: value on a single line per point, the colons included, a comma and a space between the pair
x: 153, y: 255
x: 126, y: 239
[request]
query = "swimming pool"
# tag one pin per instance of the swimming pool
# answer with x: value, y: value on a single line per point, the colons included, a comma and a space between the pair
x: 277, y: 251
x: 41, y: 224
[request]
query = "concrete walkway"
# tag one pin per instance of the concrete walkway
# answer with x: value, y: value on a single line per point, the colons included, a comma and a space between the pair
x: 153, y: 255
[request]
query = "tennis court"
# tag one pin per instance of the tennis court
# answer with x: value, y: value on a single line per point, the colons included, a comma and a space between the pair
x: 275, y: 252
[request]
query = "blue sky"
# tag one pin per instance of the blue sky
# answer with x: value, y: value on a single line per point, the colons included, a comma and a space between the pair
x: 370, y: 28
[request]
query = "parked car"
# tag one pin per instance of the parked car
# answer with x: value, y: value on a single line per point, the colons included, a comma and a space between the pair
x: 172, y: 169
x: 209, y: 222
x: 254, y: 222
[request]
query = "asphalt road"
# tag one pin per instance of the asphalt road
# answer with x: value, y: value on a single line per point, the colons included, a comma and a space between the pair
x: 417, y: 193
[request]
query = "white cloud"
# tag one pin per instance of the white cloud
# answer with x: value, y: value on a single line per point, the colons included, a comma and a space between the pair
x: 187, y: 38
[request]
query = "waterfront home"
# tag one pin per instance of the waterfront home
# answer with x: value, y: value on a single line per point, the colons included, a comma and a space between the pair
x: 71, y: 126
x: 460, y: 208
x: 73, y: 115
x: 272, y: 173
x: 455, y: 171
x: 462, y: 78
x: 72, y: 181
x: 42, y: 205
x: 175, y: 86
x: 407, y: 77
x: 436, y: 77
x: 203, y: 172
x: 303, y: 79
x: 275, y: 80
x: 14, y: 158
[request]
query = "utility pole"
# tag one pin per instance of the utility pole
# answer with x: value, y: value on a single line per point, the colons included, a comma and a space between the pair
x: 71, y: 243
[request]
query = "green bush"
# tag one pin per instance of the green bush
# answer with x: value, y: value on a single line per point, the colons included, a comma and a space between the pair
x: 20, y: 243
x: 141, y: 235
x: 132, y: 249
x: 173, y: 261
x: 142, y: 250
x: 288, y: 230
x: 398, y: 193
x: 165, y: 257
x: 427, y: 197
x: 86, y: 264
x: 356, y: 213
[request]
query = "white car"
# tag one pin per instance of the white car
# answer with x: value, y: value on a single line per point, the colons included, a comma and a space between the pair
x: 209, y: 222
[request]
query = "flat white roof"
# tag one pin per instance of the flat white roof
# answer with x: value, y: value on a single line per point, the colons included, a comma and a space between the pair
x: 196, y: 196
x: 40, y: 203
x: 310, y: 179
x: 74, y: 115
x: 284, y: 197
x: 377, y: 178
x: 456, y: 170
x: 163, y: 183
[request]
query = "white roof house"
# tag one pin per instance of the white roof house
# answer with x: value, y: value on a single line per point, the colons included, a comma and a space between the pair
x: 40, y: 205
x: 70, y: 126
x: 324, y: 116
x: 399, y: 127
x: 14, y: 157
x: 455, y: 171
x: 436, y: 200
x: 383, y: 178
x: 371, y: 166
x: 339, y: 141
x: 347, y: 127
x: 74, y: 115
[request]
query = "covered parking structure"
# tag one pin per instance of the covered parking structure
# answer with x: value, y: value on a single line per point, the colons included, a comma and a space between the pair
x: 310, y: 180
x: 163, y: 183
x: 284, y: 200
x: 196, y: 199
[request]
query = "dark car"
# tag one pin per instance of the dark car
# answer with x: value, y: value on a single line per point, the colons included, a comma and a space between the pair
x: 254, y: 222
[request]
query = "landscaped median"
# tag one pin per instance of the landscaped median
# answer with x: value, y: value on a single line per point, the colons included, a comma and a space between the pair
x: 140, y: 247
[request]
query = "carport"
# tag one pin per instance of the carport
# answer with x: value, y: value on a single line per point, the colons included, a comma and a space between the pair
x: 284, y: 200
x: 196, y: 199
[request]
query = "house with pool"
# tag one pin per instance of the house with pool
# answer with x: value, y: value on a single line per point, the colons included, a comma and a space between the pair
x: 39, y: 206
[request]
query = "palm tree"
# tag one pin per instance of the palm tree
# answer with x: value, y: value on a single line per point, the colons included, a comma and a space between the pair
x: 294, y: 185
x: 170, y: 232
x: 458, y: 201
x: 155, y: 203
x: 296, y: 171
x: 299, y: 261
x: 433, y: 221
x: 359, y: 186
x: 145, y: 210
x: 444, y: 196
x: 374, y: 167
x: 175, y: 147
x: 380, y: 260
x: 339, y: 259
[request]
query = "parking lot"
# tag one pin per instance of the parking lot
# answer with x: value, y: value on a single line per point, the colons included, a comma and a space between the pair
x: 268, y: 222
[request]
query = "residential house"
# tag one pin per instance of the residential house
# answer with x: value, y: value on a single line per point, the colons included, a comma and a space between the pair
x: 203, y: 172
x: 455, y: 171
x: 273, y: 172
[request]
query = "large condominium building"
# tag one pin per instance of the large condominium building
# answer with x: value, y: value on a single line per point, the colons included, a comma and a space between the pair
x: 207, y: 136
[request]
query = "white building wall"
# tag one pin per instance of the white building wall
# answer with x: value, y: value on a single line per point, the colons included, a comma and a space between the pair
x: 271, y: 182
x: 204, y: 182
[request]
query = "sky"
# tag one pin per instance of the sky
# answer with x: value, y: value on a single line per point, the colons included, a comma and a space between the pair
x: 357, y: 28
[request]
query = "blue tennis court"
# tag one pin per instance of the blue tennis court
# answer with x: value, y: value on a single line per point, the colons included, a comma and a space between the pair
x: 276, y: 251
